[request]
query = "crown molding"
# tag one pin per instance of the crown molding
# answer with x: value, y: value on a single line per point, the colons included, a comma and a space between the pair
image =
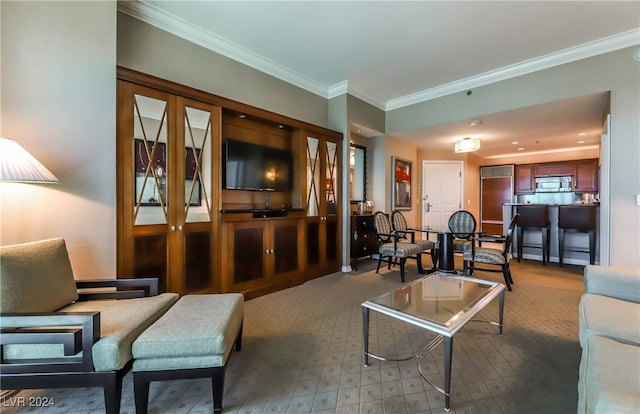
x: 586, y: 50
x: 159, y: 18
x: 344, y: 87
x: 338, y: 89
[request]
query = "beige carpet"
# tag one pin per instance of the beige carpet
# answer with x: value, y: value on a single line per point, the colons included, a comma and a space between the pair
x: 302, y: 352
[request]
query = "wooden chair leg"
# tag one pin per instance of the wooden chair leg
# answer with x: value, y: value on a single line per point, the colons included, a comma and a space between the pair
x: 520, y: 232
x: 419, y: 263
x: 112, y: 390
x: 402, y: 261
x: 379, y: 262
x: 505, y: 274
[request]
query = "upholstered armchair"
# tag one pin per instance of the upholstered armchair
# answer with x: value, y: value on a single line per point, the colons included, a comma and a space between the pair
x: 59, y: 332
x: 392, y: 247
x: 491, y: 256
x: 406, y: 233
x: 463, y: 226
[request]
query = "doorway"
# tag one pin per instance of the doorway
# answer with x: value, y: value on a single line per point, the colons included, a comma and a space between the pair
x: 442, y: 191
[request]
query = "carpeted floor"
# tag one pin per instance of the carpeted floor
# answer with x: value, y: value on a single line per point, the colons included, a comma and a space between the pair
x: 302, y: 352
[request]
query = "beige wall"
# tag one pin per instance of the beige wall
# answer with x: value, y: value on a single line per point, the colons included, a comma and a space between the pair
x: 147, y: 49
x: 617, y: 72
x: 58, y: 102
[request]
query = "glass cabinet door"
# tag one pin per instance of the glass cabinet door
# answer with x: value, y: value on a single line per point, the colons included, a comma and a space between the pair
x: 195, y: 190
x: 331, y: 177
x: 150, y: 138
x: 313, y: 176
x: 197, y: 165
x: 168, y: 179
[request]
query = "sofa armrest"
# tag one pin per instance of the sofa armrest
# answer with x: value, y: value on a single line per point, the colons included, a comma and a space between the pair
x: 124, y: 288
x: 75, y: 331
x: 616, y: 282
x: 617, y: 402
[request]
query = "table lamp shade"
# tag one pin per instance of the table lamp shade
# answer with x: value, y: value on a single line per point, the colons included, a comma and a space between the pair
x: 17, y: 165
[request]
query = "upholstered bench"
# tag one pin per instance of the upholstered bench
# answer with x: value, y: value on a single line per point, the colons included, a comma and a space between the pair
x: 193, y: 339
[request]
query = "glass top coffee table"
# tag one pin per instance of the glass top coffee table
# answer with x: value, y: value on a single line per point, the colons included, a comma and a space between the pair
x: 440, y: 303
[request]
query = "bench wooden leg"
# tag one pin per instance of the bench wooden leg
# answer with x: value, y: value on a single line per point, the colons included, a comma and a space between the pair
x: 142, y: 379
x: 141, y: 393
x: 217, y: 388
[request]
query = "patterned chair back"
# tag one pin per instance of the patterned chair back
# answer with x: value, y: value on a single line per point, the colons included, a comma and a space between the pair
x: 462, y: 224
x: 382, y: 226
x: 399, y: 223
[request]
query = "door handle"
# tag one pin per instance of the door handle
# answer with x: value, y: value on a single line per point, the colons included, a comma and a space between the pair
x: 427, y: 207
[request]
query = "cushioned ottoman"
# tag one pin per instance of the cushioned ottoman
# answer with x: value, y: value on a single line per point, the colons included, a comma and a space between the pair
x: 193, y: 339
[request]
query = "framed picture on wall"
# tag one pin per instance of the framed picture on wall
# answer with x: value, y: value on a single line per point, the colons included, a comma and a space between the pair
x: 401, y: 184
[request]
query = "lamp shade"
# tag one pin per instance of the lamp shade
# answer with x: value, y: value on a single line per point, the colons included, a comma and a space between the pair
x: 467, y: 144
x: 17, y: 165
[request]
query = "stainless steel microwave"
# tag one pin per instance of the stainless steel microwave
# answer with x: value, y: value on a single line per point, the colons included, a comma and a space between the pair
x: 553, y: 184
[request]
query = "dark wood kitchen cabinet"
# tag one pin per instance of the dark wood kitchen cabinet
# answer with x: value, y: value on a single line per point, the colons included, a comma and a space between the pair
x: 586, y: 176
x: 554, y: 169
x: 524, y: 179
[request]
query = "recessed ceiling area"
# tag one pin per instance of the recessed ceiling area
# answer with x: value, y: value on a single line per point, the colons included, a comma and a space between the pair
x: 565, y: 125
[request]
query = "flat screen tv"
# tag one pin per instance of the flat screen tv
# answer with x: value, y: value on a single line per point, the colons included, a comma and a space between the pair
x: 256, y: 167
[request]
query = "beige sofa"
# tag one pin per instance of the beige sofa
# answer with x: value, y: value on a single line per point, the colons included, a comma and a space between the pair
x: 609, y: 316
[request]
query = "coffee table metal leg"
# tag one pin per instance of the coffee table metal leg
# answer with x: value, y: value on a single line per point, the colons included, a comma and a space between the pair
x: 365, y: 333
x: 448, y: 354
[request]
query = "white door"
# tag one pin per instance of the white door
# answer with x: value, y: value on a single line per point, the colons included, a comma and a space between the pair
x: 441, y: 191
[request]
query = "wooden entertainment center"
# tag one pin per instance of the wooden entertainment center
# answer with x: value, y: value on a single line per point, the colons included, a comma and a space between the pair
x: 177, y: 222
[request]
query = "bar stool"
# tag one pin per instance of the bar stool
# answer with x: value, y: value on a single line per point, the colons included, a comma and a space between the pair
x: 534, y: 217
x: 579, y: 218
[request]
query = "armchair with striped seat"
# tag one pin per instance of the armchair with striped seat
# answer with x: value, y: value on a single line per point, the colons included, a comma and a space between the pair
x: 392, y: 247
x: 399, y: 224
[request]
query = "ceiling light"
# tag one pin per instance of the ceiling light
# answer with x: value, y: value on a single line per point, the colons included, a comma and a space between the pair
x: 467, y: 144
x: 242, y: 116
x: 475, y: 122
x: 521, y: 149
x: 582, y: 134
x: 582, y: 141
x: 514, y: 142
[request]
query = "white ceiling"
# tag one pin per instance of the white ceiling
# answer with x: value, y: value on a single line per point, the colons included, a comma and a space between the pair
x: 392, y: 54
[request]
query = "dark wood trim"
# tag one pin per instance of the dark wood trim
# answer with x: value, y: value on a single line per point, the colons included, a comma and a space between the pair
x: 228, y: 105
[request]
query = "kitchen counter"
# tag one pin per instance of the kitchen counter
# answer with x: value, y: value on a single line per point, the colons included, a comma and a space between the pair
x: 572, y: 239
